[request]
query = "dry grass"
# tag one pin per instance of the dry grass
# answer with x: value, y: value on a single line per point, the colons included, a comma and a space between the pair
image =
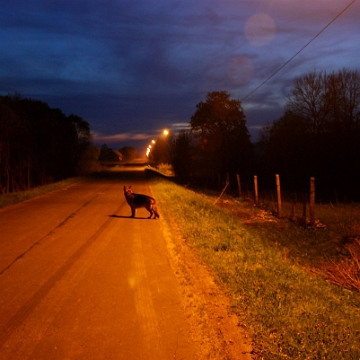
x: 337, y: 229
x: 264, y: 262
x: 343, y: 222
x: 344, y: 272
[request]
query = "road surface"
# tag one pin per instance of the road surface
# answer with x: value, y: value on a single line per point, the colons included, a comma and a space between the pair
x: 79, y: 279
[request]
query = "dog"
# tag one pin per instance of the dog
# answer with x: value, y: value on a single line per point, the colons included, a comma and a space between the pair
x: 137, y: 201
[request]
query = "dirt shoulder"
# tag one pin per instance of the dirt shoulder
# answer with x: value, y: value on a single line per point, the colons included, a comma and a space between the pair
x: 206, y: 305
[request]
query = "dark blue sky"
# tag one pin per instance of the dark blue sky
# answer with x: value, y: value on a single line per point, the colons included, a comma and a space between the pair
x: 132, y: 68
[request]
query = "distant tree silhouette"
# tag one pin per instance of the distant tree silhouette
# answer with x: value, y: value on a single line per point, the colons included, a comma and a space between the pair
x: 107, y: 154
x: 285, y: 148
x: 38, y: 144
x: 222, y: 138
x: 319, y: 135
x: 128, y: 153
x: 183, y: 155
x: 88, y: 158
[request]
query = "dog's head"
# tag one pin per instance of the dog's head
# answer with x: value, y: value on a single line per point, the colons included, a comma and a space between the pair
x: 128, y: 191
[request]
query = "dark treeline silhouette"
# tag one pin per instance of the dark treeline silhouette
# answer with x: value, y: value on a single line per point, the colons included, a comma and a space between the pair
x: 108, y: 155
x: 217, y: 144
x: 40, y: 145
x: 318, y: 136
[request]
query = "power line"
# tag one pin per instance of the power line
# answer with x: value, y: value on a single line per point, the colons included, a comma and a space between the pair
x: 307, y: 44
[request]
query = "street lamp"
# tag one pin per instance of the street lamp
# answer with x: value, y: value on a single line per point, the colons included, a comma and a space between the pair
x: 148, y: 150
x: 165, y: 134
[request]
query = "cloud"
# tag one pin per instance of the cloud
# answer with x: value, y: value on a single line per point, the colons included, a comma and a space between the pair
x: 132, y: 68
x: 116, y: 138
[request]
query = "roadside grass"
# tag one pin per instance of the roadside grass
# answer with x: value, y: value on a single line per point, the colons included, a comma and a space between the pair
x: 273, y: 271
x: 14, y: 198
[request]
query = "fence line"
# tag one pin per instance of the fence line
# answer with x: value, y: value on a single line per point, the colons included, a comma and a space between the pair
x: 280, y: 206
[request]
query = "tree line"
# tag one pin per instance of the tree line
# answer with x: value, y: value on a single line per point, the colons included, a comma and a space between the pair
x: 39, y: 145
x: 110, y: 156
x: 317, y: 136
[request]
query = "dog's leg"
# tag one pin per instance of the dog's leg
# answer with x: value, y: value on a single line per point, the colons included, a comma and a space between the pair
x: 151, y: 212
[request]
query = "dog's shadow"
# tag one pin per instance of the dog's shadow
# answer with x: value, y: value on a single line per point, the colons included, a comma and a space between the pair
x: 129, y: 217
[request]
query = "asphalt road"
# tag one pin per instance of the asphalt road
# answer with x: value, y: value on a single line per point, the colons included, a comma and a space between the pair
x: 79, y: 279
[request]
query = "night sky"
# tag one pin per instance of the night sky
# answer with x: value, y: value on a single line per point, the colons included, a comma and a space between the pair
x: 133, y: 68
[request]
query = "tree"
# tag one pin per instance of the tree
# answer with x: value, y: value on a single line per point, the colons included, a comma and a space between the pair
x: 329, y: 102
x: 285, y: 148
x: 319, y: 135
x: 307, y: 100
x: 223, y: 140
x: 9, y: 127
x: 183, y: 155
x: 82, y: 127
x: 107, y: 154
x: 88, y: 158
x: 38, y: 144
x: 343, y: 98
x: 128, y: 152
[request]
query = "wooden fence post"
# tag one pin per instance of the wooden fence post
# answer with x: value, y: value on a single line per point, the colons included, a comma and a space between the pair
x: 278, y: 190
x: 312, y: 201
x: 239, y: 184
x: 256, y: 190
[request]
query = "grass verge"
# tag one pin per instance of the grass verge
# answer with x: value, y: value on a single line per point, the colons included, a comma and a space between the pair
x: 14, y: 198
x: 290, y: 312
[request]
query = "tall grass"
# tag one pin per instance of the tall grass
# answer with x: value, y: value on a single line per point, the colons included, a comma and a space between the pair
x: 290, y: 312
x: 14, y: 198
